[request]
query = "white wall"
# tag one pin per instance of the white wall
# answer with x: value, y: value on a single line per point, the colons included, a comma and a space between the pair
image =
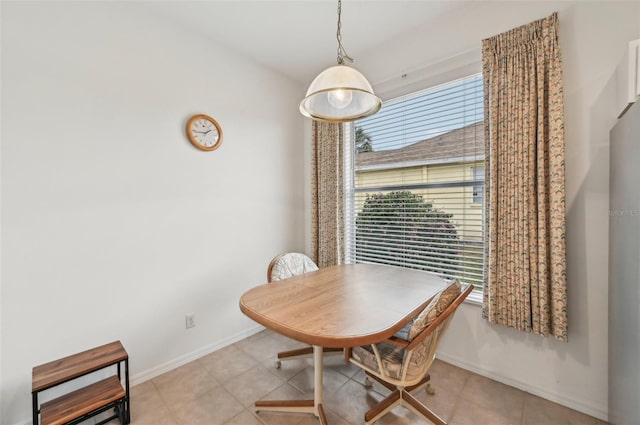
x: 593, y: 36
x: 113, y: 225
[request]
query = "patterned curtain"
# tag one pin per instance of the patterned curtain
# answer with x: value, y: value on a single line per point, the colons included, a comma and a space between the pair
x: 525, y: 280
x: 327, y: 200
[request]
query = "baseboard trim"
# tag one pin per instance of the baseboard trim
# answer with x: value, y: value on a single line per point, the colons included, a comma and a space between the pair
x: 148, y: 374
x: 599, y: 412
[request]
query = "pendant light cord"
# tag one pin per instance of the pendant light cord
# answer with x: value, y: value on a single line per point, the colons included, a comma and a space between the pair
x: 342, y: 53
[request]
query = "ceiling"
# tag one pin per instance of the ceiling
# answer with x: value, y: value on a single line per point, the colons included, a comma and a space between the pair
x: 298, y: 37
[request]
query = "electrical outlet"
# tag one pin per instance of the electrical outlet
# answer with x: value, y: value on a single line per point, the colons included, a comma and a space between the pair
x: 190, y: 321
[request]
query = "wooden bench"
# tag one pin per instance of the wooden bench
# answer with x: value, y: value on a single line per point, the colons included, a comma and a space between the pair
x: 88, y: 401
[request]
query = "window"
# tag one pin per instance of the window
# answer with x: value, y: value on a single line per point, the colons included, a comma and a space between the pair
x: 416, y: 193
x: 478, y: 189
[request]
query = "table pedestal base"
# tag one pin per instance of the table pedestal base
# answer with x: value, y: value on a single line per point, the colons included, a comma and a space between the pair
x: 302, y: 406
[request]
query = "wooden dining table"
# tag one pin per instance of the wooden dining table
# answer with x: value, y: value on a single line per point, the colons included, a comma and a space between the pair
x: 337, y: 307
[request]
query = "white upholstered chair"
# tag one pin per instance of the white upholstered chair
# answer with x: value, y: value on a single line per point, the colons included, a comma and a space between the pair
x: 285, y: 266
x: 402, y: 362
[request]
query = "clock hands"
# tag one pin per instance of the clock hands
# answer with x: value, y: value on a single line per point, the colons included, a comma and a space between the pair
x: 204, y: 139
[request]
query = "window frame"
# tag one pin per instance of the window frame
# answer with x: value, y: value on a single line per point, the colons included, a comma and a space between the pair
x: 349, y: 172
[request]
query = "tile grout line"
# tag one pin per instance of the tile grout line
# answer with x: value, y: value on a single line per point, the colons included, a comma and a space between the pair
x: 336, y: 413
x: 524, y: 407
x: 457, y: 401
x: 164, y: 403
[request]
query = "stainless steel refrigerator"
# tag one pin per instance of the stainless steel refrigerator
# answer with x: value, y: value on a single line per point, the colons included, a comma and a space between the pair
x: 624, y: 270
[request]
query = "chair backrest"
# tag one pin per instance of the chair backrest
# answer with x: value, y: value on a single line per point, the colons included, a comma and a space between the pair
x: 431, y: 326
x: 405, y: 361
x: 288, y: 265
x: 435, y: 308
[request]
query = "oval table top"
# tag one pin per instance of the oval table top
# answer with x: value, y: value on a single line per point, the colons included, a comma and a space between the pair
x: 342, y: 306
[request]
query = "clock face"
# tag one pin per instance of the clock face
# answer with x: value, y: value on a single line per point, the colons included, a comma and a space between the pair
x: 204, y: 132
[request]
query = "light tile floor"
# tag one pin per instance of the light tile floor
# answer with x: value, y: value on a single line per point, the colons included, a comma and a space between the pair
x: 220, y: 388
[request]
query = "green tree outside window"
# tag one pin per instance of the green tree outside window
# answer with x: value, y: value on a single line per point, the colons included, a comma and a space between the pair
x: 401, y: 228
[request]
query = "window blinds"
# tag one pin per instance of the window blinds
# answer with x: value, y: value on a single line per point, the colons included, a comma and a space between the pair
x: 416, y: 194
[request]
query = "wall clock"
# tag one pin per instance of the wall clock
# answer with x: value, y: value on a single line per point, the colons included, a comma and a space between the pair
x: 204, y: 132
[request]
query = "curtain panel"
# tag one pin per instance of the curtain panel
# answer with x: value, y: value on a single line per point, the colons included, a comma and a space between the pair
x: 525, y: 272
x: 327, y: 193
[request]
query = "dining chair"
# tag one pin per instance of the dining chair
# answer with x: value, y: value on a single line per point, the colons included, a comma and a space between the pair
x: 284, y: 266
x: 401, y: 363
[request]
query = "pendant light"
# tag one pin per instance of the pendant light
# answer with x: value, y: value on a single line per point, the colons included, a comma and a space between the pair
x: 340, y: 93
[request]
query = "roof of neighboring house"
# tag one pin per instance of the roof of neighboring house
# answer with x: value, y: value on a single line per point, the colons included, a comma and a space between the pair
x: 462, y: 144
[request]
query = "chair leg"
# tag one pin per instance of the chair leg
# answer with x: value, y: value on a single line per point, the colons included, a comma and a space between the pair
x: 404, y: 397
x: 422, y: 409
x: 283, y: 355
x: 382, y: 407
x: 422, y: 383
x: 297, y: 352
x: 321, y: 415
x: 304, y: 351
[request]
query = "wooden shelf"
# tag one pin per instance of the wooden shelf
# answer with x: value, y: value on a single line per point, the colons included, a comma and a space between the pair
x: 77, y: 406
x: 58, y: 371
x: 80, y: 402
